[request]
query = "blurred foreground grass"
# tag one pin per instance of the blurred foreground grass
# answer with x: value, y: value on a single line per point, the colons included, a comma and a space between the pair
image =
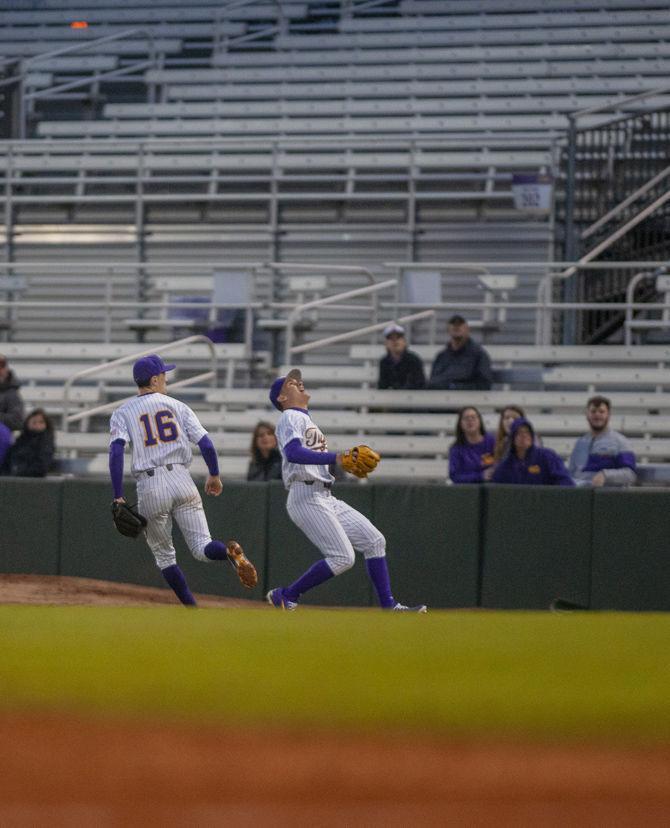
x: 601, y: 676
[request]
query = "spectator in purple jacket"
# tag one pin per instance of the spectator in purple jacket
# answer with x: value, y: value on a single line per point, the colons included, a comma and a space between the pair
x: 6, y: 440
x: 471, y: 453
x: 528, y: 463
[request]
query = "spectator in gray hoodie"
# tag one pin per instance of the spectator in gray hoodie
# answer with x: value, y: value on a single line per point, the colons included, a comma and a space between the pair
x: 602, y: 457
x: 11, y: 404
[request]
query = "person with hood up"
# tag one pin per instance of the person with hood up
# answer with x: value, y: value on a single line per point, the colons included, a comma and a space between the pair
x: 11, y: 404
x: 528, y: 463
x: 33, y: 452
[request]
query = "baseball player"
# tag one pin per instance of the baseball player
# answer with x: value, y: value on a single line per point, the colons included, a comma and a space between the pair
x: 160, y: 430
x: 333, y: 526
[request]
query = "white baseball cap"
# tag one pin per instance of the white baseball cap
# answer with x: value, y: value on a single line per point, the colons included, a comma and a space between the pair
x: 394, y: 328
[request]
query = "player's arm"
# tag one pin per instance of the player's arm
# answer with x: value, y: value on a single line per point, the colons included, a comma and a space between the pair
x: 116, y: 448
x: 297, y: 453
x: 119, y: 436
x: 213, y: 484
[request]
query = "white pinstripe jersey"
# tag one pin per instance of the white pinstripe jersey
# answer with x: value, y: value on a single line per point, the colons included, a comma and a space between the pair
x: 297, y: 423
x: 159, y: 428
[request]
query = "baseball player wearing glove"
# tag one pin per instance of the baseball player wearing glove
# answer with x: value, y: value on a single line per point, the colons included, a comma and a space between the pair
x: 160, y: 430
x: 332, y: 525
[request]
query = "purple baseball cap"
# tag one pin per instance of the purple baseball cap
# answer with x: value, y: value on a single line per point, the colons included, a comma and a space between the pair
x: 149, y: 366
x: 276, y: 387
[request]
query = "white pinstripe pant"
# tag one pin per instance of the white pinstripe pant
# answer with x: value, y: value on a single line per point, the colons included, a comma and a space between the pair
x: 167, y: 494
x: 334, y: 527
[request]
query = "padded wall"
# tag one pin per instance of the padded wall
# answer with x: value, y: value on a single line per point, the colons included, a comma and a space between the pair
x: 537, y: 546
x: 30, y: 516
x: 631, y: 550
x: 432, y: 542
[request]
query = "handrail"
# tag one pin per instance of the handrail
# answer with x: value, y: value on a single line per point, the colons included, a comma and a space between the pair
x: 97, y: 369
x: 329, y: 300
x: 320, y: 267
x: 590, y: 230
x: 78, y: 47
x: 343, y: 337
x: 617, y: 234
x: 593, y: 110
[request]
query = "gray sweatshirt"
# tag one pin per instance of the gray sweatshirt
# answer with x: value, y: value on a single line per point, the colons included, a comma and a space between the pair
x: 608, y: 452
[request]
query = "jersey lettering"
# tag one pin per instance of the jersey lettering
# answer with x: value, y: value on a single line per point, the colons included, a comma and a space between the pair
x: 314, y: 439
x: 165, y: 426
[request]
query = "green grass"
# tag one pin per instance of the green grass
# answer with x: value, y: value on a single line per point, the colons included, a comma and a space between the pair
x: 602, y: 676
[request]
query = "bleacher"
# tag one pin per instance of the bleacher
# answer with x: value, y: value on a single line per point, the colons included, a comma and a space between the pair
x: 341, y: 133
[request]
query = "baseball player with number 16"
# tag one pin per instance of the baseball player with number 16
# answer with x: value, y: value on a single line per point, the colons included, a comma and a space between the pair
x: 160, y: 430
x: 333, y: 526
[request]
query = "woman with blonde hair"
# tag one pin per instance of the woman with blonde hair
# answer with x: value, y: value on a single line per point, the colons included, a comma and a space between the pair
x: 507, y: 417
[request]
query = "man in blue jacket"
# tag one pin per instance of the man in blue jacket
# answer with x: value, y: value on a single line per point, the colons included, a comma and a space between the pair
x: 602, y: 457
x: 529, y: 464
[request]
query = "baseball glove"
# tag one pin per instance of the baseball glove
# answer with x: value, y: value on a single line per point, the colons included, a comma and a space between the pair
x: 246, y: 571
x: 127, y: 519
x: 360, y: 460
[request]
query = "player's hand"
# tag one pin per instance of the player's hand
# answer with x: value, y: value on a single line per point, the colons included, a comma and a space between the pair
x: 213, y: 485
x: 598, y: 480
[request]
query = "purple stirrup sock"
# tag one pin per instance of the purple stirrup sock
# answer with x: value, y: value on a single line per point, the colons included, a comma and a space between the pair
x: 315, y: 575
x: 379, y: 575
x: 216, y: 550
x: 175, y: 577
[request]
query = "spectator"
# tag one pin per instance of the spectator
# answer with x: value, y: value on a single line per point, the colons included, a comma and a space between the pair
x: 6, y: 439
x: 602, y: 457
x: 400, y: 368
x: 528, y: 463
x: 11, y: 404
x: 464, y: 364
x: 33, y: 452
x: 471, y: 453
x: 507, y: 417
x: 265, y: 463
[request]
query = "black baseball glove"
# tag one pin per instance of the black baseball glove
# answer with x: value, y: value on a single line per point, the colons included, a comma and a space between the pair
x: 127, y: 519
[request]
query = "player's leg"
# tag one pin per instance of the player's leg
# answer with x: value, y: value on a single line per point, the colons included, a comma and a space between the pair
x: 310, y: 508
x: 191, y: 519
x: 366, y: 538
x: 154, y: 503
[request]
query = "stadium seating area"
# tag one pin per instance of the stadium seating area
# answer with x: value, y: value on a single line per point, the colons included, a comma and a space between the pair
x: 316, y: 148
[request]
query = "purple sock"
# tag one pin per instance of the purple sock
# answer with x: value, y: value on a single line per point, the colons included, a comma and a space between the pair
x: 315, y: 575
x: 175, y: 577
x: 379, y: 575
x: 216, y: 551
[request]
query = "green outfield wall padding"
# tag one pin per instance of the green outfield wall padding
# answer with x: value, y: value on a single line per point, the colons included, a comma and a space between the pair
x: 290, y: 553
x: 432, y: 542
x: 631, y: 550
x: 30, y: 515
x: 90, y: 545
x: 536, y: 546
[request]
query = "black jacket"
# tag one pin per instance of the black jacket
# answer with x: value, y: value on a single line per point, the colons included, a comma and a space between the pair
x: 468, y: 368
x: 11, y: 404
x: 32, y: 454
x: 407, y: 373
x: 266, y: 469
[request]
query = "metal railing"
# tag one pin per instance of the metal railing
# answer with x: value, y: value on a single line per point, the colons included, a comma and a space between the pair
x: 97, y: 370
x: 25, y: 64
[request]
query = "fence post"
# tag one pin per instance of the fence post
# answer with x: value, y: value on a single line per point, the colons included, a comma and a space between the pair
x: 570, y: 242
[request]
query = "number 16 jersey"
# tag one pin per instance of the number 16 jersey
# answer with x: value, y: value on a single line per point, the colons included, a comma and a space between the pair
x: 159, y: 428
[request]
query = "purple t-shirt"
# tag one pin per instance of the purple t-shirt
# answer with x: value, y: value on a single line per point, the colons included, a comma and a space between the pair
x: 467, y: 461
